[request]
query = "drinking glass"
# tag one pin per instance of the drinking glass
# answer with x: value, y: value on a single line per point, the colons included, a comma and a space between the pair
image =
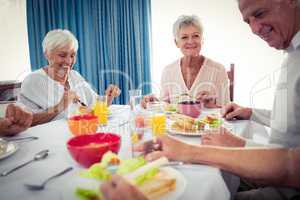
x: 136, y: 134
x: 101, y: 110
x: 158, y: 119
x: 135, y: 97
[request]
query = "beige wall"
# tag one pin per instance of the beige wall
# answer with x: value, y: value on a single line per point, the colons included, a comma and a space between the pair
x: 226, y: 39
x: 14, y: 52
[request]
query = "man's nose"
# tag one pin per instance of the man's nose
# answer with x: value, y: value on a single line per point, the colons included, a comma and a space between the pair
x: 255, y: 26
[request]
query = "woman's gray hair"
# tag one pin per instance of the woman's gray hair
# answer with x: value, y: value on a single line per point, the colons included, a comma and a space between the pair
x: 58, y: 38
x: 187, y: 20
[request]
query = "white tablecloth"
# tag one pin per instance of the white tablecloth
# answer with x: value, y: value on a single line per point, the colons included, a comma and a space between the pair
x: 203, y: 182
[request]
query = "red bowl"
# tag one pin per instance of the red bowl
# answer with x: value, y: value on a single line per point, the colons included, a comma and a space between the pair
x: 89, y: 149
x: 190, y: 108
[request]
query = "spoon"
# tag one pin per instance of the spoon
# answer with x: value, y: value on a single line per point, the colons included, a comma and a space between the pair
x: 39, y: 156
x: 42, y: 186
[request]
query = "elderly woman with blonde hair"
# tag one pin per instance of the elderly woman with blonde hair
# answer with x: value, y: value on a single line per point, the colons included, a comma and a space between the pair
x: 56, y: 88
x: 193, y: 74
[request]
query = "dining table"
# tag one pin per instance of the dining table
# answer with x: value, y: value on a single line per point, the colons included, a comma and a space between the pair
x: 202, y: 182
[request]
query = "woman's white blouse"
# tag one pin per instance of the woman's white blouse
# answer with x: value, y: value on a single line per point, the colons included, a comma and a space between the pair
x: 40, y: 92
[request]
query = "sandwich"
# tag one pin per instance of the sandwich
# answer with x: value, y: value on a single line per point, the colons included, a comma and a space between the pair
x: 183, y: 123
x: 150, y: 178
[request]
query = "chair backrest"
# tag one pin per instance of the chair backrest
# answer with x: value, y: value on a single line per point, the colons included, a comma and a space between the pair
x: 230, y: 74
x: 9, y: 90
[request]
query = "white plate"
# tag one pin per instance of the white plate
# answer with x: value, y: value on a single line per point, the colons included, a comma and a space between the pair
x: 11, y: 149
x: 177, y: 132
x: 77, y: 181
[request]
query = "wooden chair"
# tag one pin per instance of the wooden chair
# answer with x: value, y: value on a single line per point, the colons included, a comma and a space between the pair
x: 230, y: 74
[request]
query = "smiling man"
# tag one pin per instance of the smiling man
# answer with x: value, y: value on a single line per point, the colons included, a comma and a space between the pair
x: 275, y: 21
x: 278, y: 23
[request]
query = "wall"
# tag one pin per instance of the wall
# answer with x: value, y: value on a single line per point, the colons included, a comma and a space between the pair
x: 227, y: 39
x: 14, y: 52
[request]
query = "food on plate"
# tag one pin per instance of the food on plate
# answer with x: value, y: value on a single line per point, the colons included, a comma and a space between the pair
x: 186, y: 124
x: 213, y: 120
x: 3, y: 146
x: 110, y: 158
x: 170, y: 108
x: 152, y: 180
x: 161, y: 184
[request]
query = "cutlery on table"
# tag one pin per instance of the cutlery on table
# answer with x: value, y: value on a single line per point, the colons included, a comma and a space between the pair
x: 39, y: 156
x: 42, y: 186
x: 10, y: 139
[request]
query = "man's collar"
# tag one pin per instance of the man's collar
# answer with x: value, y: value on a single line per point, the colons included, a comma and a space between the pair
x: 295, y: 43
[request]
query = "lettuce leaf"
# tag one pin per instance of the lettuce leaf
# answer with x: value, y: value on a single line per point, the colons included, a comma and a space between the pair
x: 130, y: 165
x: 107, y: 157
x: 148, y: 175
x: 88, y: 194
x: 97, y: 171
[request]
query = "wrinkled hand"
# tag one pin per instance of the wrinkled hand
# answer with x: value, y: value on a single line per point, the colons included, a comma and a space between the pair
x: 111, y: 92
x: 148, y: 98
x: 234, y: 111
x: 119, y: 189
x: 208, y: 100
x: 163, y: 146
x: 68, y: 98
x: 221, y: 137
x: 16, y: 120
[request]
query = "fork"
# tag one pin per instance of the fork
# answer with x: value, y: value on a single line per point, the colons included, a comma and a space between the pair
x: 42, y: 186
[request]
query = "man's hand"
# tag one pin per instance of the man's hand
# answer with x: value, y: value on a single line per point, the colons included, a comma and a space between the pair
x: 233, y: 111
x: 222, y: 137
x: 16, y: 120
x: 119, y: 189
x: 148, y: 98
x: 164, y: 146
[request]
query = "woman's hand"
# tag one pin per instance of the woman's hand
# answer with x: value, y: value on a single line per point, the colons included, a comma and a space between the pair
x: 15, y: 121
x: 111, y: 92
x: 119, y: 189
x: 164, y: 146
x: 208, y: 100
x: 68, y: 98
x: 148, y: 98
x: 222, y: 137
x: 234, y: 111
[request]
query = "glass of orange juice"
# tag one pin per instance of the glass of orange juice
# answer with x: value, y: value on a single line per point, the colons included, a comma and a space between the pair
x: 158, y: 119
x: 101, y: 110
x: 158, y: 124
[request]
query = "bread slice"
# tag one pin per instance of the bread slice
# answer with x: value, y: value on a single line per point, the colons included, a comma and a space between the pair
x: 162, y: 183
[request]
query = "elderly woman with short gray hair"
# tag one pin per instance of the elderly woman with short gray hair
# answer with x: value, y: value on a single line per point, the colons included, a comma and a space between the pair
x: 193, y: 74
x: 53, y: 90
